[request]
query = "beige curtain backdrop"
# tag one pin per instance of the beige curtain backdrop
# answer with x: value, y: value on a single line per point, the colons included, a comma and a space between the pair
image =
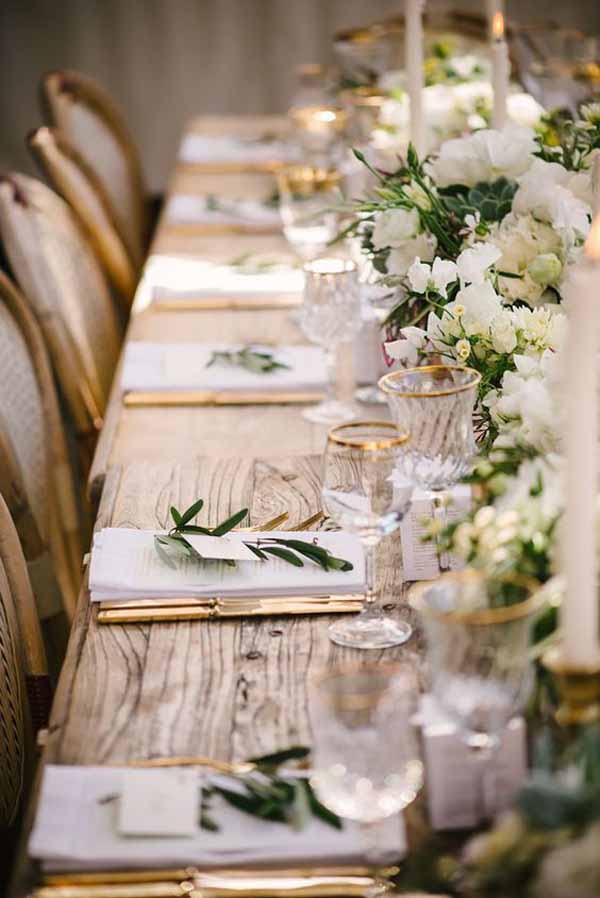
x: 165, y: 60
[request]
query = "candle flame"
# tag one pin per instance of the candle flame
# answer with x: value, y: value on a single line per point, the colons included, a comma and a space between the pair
x: 592, y: 244
x: 498, y: 26
x: 325, y: 115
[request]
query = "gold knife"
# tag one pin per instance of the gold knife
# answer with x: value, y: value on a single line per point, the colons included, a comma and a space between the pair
x: 195, y: 612
x: 228, y: 303
x: 140, y: 398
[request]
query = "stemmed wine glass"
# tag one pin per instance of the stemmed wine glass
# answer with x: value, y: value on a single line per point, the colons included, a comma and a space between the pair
x: 478, y: 636
x: 308, y: 196
x: 366, y: 752
x: 330, y: 315
x: 435, y: 405
x: 364, y: 493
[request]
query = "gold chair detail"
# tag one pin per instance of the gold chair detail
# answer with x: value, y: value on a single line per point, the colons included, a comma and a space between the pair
x: 79, y: 185
x: 66, y: 288
x: 79, y: 108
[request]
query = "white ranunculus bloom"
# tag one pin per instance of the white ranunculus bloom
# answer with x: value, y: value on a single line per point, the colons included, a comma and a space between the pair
x: 545, y: 192
x: 473, y: 263
x: 522, y: 239
x: 394, y: 226
x: 484, y: 156
x: 401, y: 258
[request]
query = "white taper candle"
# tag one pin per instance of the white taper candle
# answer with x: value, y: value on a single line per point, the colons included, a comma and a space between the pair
x: 500, y: 72
x: 414, y: 58
x: 579, y: 612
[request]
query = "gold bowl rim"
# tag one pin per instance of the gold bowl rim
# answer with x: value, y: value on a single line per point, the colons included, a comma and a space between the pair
x: 482, y: 616
x: 385, y: 381
x: 367, y: 445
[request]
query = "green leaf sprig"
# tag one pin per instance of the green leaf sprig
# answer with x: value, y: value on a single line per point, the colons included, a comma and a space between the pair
x: 255, y: 360
x: 268, y: 794
x: 293, y: 551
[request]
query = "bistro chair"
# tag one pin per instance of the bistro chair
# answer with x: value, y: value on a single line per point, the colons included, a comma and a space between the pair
x: 16, y: 740
x: 64, y: 283
x: 35, y: 474
x: 81, y: 110
x: 35, y: 666
x: 79, y: 185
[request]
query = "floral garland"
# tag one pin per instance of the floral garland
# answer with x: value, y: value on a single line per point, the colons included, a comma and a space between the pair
x: 478, y: 244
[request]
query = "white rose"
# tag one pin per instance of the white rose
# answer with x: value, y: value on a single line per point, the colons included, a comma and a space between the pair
x: 484, y: 156
x: 394, y: 226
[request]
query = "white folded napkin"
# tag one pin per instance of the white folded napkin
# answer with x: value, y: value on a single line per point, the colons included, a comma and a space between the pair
x: 200, y: 148
x: 76, y: 830
x: 193, y: 278
x: 183, y: 366
x: 125, y: 565
x: 188, y: 209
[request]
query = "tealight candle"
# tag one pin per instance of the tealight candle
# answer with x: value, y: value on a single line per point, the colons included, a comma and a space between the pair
x: 579, y: 612
x: 500, y: 72
x: 415, y: 71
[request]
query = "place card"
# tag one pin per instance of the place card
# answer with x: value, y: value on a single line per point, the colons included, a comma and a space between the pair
x: 222, y: 548
x: 159, y: 803
x: 420, y: 558
x: 462, y: 787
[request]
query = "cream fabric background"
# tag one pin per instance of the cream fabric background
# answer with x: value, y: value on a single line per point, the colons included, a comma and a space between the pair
x: 165, y: 60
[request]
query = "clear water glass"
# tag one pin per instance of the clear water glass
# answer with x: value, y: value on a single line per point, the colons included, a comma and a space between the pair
x: 308, y: 197
x: 435, y: 405
x: 329, y: 316
x: 366, y: 750
x: 318, y: 133
x: 364, y: 492
x: 478, y: 633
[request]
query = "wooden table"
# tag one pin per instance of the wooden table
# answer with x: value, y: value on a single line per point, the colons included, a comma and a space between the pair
x: 226, y: 689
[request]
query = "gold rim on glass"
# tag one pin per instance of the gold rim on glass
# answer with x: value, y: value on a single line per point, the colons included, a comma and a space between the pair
x: 305, y: 180
x: 483, y: 616
x: 367, y: 445
x: 319, y: 117
x: 395, y: 376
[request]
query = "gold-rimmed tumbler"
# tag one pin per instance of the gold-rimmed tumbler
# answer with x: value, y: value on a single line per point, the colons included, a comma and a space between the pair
x: 365, y: 493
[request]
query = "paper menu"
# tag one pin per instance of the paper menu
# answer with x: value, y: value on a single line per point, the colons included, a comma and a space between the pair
x: 461, y: 786
x: 125, y: 565
x: 420, y: 559
x: 183, y: 366
x: 181, y: 277
x: 190, y: 209
x: 76, y: 828
x: 201, y: 148
x: 165, y: 805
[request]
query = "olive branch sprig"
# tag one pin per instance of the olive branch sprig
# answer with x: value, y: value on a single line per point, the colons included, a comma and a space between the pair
x: 293, y: 551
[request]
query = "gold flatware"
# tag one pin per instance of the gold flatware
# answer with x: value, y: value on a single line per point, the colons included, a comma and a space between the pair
x: 200, y: 229
x: 228, y: 875
x: 256, y: 884
x: 149, y: 613
x: 215, y: 398
x: 308, y: 523
x: 273, y: 524
x: 192, y: 761
x: 212, y: 303
x: 227, y: 168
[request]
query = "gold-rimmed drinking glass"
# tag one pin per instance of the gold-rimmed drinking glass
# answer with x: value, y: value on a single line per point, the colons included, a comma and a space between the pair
x: 366, y: 750
x: 318, y: 132
x: 308, y: 196
x: 330, y: 315
x: 478, y: 631
x: 364, y: 492
x: 363, y: 107
x: 435, y: 405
